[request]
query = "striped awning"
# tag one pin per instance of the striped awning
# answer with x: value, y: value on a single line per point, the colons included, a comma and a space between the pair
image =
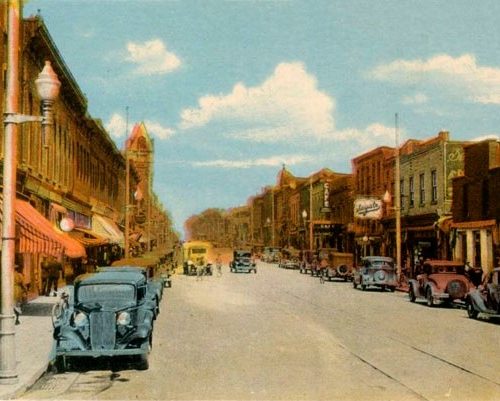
x: 107, y: 228
x: 88, y: 238
x: 36, y: 234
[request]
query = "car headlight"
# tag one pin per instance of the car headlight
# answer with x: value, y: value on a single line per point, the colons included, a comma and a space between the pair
x: 80, y: 319
x: 123, y: 319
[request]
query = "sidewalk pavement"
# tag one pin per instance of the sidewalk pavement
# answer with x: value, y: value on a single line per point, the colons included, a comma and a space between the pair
x: 33, y: 345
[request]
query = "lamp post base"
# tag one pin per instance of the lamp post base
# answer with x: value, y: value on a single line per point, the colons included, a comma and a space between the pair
x: 8, y: 374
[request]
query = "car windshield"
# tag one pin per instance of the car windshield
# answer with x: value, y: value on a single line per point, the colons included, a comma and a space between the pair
x: 198, y: 250
x: 243, y: 255
x: 381, y: 264
x: 111, y: 295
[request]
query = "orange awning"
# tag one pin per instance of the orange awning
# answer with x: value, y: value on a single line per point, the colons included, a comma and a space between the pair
x: 88, y: 238
x: 38, y: 235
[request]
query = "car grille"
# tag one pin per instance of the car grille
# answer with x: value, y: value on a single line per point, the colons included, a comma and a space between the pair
x: 456, y: 289
x: 102, y: 330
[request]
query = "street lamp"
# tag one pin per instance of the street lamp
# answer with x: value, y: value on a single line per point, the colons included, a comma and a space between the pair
x: 304, y: 217
x: 366, y: 239
x: 48, y: 89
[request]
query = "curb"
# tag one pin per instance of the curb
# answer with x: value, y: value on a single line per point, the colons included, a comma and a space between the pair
x: 21, y: 387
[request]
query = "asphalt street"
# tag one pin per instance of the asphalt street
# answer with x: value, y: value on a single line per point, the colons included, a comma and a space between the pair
x: 281, y: 335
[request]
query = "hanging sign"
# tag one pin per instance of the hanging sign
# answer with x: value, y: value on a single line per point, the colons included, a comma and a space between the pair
x: 369, y: 208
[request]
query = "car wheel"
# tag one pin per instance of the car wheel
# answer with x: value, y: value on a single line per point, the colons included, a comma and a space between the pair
x: 354, y: 284
x: 60, y: 364
x: 471, y: 311
x: 411, y: 294
x: 363, y: 286
x: 382, y: 288
x: 429, y: 297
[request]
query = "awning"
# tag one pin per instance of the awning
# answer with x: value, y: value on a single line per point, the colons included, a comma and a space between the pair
x: 474, y: 224
x: 107, y: 228
x: 38, y: 235
x: 88, y: 238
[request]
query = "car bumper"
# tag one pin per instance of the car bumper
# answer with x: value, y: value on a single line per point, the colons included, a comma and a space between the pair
x: 99, y: 353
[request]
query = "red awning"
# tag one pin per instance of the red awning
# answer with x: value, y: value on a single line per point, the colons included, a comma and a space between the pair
x: 38, y: 235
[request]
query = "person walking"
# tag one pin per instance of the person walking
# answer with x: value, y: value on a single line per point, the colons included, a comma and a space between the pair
x: 20, y: 292
x: 44, y: 276
x: 55, y: 270
x: 199, y: 269
x: 218, y: 265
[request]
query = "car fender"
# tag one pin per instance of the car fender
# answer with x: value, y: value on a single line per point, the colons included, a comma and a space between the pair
x: 70, y: 334
x: 415, y: 287
x: 430, y: 286
x: 477, y: 300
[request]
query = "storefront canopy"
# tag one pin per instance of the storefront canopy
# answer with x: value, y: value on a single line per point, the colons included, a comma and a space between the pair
x: 88, y: 238
x: 36, y: 234
x: 107, y: 228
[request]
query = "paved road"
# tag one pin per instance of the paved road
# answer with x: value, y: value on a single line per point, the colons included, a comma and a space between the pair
x: 280, y: 335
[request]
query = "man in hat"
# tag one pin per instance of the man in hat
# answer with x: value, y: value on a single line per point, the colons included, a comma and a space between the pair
x: 20, y: 291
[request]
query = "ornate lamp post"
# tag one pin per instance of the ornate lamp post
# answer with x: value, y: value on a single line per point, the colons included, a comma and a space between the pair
x: 366, y: 240
x: 304, y: 218
x: 48, y: 89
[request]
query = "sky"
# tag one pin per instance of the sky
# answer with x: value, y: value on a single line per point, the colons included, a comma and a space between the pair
x: 232, y: 90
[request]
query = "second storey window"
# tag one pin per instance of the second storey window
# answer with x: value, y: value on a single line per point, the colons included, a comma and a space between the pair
x: 412, y: 192
x: 434, y: 186
x: 422, y: 188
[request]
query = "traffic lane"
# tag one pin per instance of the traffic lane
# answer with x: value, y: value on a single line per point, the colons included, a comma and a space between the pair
x: 408, y: 342
x: 223, y: 340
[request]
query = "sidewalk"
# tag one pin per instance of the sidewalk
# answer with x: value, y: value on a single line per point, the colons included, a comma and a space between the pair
x: 33, y: 346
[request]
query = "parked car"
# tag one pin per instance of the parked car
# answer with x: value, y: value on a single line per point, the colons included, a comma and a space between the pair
x: 440, y: 281
x: 292, y: 263
x: 486, y: 298
x: 109, y: 315
x: 338, y: 265
x: 154, y: 285
x: 271, y: 254
x: 242, y: 262
x: 377, y: 271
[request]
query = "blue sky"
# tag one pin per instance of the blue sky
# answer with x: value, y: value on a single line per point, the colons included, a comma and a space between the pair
x: 231, y: 90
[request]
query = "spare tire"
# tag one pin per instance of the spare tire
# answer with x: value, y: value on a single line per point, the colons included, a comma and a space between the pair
x: 456, y: 289
x: 342, y: 270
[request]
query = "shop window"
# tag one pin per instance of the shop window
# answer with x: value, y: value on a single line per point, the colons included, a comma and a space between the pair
x: 434, y: 193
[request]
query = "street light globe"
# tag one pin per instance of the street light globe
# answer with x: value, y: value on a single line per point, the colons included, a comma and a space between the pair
x: 138, y: 194
x: 304, y: 214
x: 47, y: 83
x: 387, y: 198
x: 365, y: 238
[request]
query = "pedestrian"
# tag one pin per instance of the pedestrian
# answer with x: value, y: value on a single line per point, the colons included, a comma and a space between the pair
x: 218, y: 265
x: 45, y: 276
x: 55, y: 271
x: 199, y: 269
x: 20, y: 292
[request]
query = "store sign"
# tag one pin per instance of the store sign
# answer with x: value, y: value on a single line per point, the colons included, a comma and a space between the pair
x: 323, y: 228
x: 368, y: 208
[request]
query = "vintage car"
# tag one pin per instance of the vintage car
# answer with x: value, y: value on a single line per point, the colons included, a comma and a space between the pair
x: 242, y: 262
x: 154, y: 285
x: 338, y: 265
x: 292, y: 263
x: 440, y: 281
x: 271, y: 254
x: 377, y: 271
x: 486, y: 298
x: 109, y: 315
x: 196, y: 253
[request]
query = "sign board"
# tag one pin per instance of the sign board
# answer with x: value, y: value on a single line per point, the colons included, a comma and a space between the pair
x: 369, y: 208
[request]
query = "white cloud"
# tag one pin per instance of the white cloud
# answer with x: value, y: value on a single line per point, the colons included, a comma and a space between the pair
x: 479, y: 83
x: 486, y: 136
x: 117, y: 126
x: 157, y: 130
x: 287, y: 104
x: 152, y: 57
x: 372, y: 136
x: 273, y: 161
x: 418, y: 98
